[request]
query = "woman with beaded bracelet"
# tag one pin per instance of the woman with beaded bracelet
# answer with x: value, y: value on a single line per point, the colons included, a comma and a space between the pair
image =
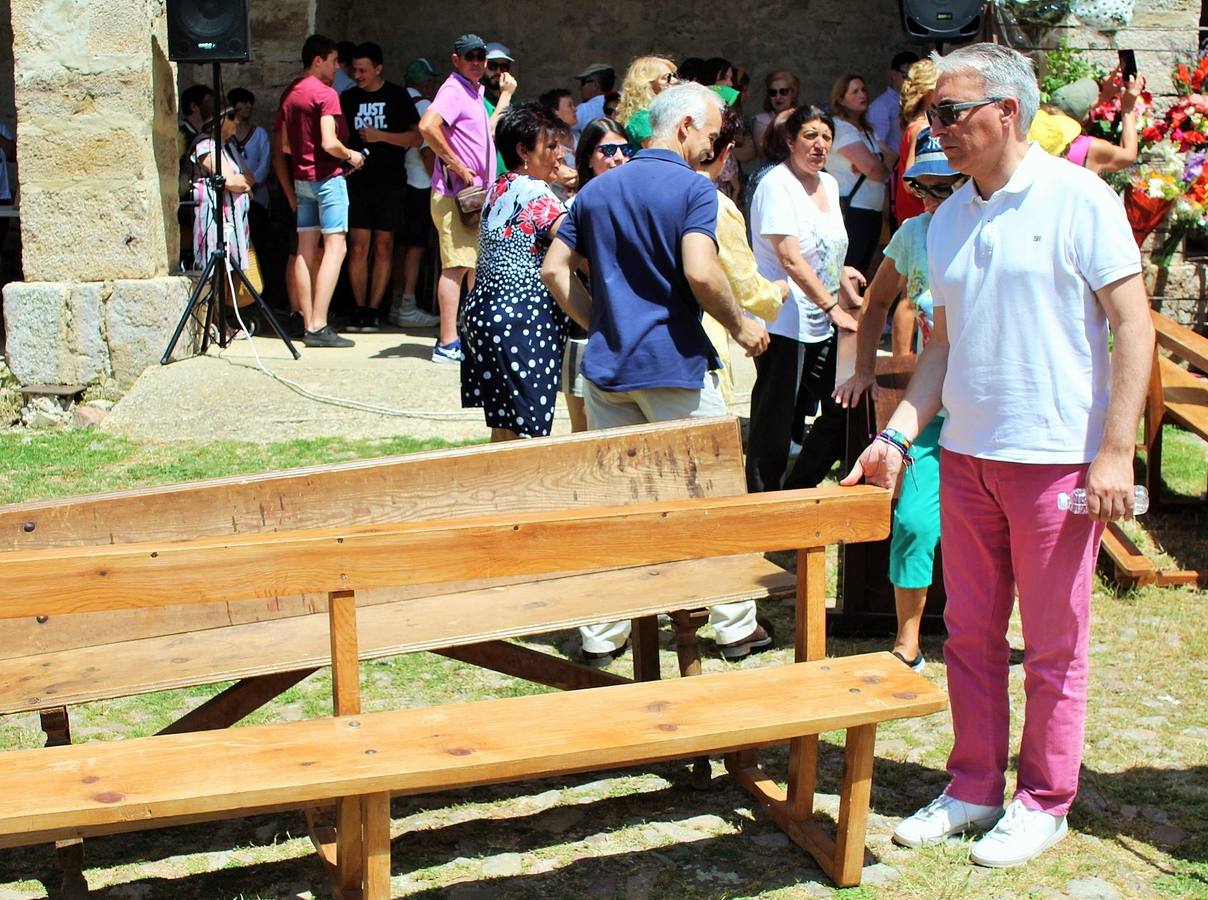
x: 916, y: 514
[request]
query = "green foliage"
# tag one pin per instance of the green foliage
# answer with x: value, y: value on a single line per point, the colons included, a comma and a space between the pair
x: 1065, y: 65
x: 42, y: 465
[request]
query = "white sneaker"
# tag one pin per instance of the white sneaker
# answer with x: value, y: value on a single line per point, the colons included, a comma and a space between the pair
x: 407, y: 315
x: 1019, y: 835
x: 942, y: 817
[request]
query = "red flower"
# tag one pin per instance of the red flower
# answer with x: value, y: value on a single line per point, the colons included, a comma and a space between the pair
x: 1153, y: 133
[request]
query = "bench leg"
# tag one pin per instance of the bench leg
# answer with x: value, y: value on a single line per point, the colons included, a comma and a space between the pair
x: 687, y: 648
x: 350, y: 846
x: 840, y: 857
x: 645, y: 640
x: 854, y: 796
x: 70, y: 853
x: 375, y: 809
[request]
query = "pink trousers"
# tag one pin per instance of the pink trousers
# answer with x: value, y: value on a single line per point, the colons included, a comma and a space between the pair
x: 1002, y: 533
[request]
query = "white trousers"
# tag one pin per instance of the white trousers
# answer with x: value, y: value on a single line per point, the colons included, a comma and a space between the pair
x: 609, y: 409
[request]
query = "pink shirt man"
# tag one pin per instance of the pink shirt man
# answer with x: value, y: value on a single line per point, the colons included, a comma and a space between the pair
x: 468, y: 131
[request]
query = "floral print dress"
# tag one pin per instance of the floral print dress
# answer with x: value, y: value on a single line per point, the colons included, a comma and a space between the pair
x: 512, y: 332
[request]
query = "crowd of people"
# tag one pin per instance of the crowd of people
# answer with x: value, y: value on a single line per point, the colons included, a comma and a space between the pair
x: 613, y: 249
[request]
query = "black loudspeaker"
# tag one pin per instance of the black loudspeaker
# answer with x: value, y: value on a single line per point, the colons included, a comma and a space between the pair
x: 201, y: 31
x: 949, y: 21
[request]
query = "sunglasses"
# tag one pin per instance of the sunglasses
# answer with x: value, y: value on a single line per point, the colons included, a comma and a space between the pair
x: 779, y: 92
x: 475, y: 56
x: 608, y: 151
x: 499, y: 65
x: 949, y: 113
x: 938, y: 191
x: 669, y: 78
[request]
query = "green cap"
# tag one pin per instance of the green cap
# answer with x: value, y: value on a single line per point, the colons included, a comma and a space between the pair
x: 419, y: 70
x: 727, y: 94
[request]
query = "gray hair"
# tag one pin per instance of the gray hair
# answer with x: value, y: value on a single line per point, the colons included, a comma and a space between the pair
x: 681, y: 101
x: 1005, y: 72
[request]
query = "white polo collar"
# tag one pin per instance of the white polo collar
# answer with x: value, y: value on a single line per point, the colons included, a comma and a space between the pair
x: 1021, y: 179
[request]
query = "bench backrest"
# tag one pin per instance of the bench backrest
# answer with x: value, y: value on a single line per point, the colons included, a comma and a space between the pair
x: 661, y: 461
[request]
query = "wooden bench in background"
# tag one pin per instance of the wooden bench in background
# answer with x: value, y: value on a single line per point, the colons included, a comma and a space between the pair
x: 1179, y: 397
x: 76, y: 791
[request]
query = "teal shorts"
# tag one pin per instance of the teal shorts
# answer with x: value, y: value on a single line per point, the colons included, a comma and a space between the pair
x: 916, y: 514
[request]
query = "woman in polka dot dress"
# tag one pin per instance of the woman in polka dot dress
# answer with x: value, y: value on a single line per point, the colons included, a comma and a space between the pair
x: 512, y: 331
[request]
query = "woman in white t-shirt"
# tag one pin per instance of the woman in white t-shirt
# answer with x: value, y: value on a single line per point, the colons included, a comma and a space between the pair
x: 861, y: 165
x: 797, y: 234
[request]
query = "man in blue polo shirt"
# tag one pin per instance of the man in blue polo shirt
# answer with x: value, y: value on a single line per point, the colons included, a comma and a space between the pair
x: 648, y: 232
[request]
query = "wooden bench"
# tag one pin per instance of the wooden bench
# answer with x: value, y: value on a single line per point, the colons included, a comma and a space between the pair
x: 634, y: 463
x: 1176, y: 396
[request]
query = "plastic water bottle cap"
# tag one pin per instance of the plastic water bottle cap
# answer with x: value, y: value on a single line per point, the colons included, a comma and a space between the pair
x: 1063, y: 500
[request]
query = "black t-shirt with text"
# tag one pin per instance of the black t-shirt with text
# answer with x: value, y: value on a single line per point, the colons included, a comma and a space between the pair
x: 389, y: 108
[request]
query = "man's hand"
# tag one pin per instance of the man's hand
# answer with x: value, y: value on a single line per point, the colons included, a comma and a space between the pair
x: 462, y: 173
x: 371, y: 135
x: 507, y: 83
x: 1109, y: 487
x: 752, y: 336
x: 880, y: 464
x: 848, y: 394
x: 856, y: 276
x: 356, y: 159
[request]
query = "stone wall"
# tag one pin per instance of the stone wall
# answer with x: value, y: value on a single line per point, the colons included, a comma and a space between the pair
x: 96, y: 130
x: 819, y: 39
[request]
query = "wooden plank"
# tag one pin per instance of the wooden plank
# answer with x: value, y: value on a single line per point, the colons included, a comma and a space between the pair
x: 1132, y: 566
x: 531, y: 665
x: 810, y: 621
x: 112, y: 787
x: 376, y: 810
x: 854, y: 795
x: 213, y: 569
x: 620, y: 466
x: 1155, y: 406
x: 426, y: 623
x: 345, y: 660
x: 1185, y: 397
x: 1181, y: 341
x: 236, y: 702
x: 657, y: 461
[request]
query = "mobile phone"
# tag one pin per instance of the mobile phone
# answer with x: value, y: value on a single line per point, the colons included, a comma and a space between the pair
x: 1128, y: 65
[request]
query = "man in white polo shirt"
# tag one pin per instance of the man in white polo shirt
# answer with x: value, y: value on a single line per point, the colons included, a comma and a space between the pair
x: 1031, y: 263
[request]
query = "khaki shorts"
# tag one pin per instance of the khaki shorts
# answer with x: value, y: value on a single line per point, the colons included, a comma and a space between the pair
x: 458, y: 243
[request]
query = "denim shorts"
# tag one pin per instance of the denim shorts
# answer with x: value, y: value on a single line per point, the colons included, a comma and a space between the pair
x: 323, y: 205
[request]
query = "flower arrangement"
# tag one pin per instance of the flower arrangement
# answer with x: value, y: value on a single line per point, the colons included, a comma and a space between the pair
x: 1170, y: 183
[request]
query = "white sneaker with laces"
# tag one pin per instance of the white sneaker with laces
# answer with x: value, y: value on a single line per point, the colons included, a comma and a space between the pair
x: 942, y: 817
x: 1019, y: 835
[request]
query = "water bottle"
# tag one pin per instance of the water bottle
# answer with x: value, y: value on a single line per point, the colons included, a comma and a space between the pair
x: 1076, y: 502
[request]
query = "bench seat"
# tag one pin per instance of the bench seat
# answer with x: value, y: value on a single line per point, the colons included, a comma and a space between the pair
x: 104, y: 788
x: 301, y: 643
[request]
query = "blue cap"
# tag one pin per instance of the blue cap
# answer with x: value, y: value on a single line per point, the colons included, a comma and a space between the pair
x: 929, y: 158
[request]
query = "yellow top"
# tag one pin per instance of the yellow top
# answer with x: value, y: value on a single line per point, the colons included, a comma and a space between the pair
x: 753, y: 293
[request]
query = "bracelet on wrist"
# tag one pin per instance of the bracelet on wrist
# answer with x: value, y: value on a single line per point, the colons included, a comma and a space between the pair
x: 898, y: 438
x: 827, y: 309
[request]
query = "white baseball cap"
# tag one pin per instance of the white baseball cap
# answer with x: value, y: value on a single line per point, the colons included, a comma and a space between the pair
x: 496, y: 50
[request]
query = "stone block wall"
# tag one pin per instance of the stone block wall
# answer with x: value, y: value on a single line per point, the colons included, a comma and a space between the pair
x: 96, y: 128
x: 818, y: 39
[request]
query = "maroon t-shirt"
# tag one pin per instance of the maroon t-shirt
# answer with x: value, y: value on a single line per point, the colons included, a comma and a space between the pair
x: 302, y: 105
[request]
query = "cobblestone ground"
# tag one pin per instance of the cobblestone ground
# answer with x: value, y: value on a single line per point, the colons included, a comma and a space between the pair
x: 1138, y: 829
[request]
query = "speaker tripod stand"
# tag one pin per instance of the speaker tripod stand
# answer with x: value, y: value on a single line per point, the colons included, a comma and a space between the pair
x: 220, y: 270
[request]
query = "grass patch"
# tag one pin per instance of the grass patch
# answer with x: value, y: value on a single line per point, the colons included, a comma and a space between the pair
x: 45, y: 465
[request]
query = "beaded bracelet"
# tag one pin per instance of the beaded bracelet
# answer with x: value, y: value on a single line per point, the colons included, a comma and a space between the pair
x: 898, y: 441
